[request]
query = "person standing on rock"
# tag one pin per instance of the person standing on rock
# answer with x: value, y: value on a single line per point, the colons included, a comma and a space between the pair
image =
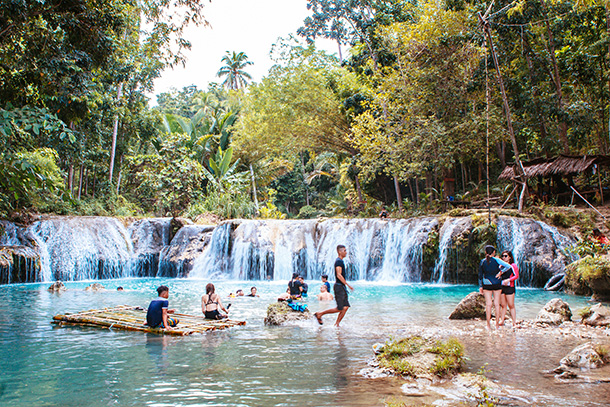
x: 508, y: 288
x: 339, y: 288
x: 490, y: 282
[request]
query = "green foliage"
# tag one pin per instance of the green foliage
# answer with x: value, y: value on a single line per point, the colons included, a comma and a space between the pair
x: 308, y: 212
x: 581, y: 274
x: 584, y: 313
x: 450, y: 357
x: 269, y: 210
x: 227, y: 205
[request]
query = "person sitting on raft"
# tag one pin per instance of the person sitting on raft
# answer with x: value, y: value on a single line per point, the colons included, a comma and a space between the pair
x: 210, y: 304
x: 295, y: 286
x: 156, y: 316
x: 490, y: 282
x: 324, y: 294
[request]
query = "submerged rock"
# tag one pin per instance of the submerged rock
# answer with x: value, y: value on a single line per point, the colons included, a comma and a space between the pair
x: 599, y: 315
x: 95, y: 287
x: 57, y: 287
x: 555, y: 312
x: 472, y: 306
x: 280, y: 313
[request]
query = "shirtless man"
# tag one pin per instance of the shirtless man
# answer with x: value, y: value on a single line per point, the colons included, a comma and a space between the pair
x: 339, y: 288
x: 324, y: 294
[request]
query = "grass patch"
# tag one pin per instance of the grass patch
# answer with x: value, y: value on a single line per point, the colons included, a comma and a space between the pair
x: 584, y: 313
x: 450, y: 357
x: 415, y: 356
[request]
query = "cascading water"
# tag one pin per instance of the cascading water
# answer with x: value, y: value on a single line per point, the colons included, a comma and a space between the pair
x: 444, y: 247
x: 535, y: 246
x: 386, y: 250
x: 149, y: 237
x: 83, y: 248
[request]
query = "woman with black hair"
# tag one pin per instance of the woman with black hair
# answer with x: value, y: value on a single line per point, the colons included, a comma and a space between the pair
x: 490, y: 282
x: 211, y: 304
x: 508, y: 288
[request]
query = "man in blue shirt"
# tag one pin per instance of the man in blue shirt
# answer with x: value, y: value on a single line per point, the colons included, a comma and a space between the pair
x: 156, y: 316
x: 340, y: 289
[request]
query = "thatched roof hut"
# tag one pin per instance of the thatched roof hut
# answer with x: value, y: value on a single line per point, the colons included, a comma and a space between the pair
x: 562, y: 165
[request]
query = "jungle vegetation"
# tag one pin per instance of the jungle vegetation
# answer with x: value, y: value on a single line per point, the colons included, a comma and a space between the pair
x: 411, y: 102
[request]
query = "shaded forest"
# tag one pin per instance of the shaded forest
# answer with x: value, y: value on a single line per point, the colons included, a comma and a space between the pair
x: 403, y: 117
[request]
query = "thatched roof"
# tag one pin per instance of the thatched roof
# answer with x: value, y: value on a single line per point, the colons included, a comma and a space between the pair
x: 561, y: 165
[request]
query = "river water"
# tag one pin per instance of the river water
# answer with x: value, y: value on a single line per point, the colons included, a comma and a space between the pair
x: 254, y: 365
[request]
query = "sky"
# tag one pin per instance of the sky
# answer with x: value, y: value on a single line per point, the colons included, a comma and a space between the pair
x: 251, y: 26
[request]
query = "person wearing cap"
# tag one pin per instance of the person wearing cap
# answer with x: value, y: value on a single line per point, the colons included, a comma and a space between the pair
x: 490, y: 282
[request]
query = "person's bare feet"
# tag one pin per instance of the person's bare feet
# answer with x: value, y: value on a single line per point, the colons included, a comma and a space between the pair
x: 318, y: 317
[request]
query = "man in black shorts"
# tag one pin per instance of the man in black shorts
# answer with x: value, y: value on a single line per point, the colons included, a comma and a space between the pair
x: 340, y: 289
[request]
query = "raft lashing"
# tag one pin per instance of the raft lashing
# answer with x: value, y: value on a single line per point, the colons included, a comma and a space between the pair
x: 130, y: 318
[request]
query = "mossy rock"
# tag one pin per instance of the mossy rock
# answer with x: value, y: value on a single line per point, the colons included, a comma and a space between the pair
x: 419, y: 357
x: 589, y: 276
x: 279, y: 313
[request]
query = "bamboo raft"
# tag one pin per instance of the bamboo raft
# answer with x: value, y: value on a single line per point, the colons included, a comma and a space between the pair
x: 133, y: 318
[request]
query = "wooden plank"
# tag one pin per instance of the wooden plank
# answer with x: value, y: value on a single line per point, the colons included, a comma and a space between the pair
x: 133, y: 318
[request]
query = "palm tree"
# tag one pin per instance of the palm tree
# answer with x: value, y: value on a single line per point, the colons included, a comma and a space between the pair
x: 233, y: 69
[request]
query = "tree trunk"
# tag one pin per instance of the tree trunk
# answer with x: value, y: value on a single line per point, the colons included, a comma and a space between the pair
x: 86, y: 182
x: 94, y: 182
x: 80, y: 180
x: 254, y: 189
x: 501, y: 149
x: 398, y: 195
x: 115, y: 130
x: 541, y: 120
x: 358, y: 190
x: 417, y: 190
x: 71, y: 179
x: 118, y: 182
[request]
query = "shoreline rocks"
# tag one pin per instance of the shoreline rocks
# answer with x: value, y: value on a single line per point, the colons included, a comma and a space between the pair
x: 279, y: 313
x: 555, y: 312
x: 472, y: 306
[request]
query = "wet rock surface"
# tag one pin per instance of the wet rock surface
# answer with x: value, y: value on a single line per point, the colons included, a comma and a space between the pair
x: 95, y: 287
x: 554, y: 312
x: 57, y: 287
x: 599, y: 316
x: 280, y: 313
x: 472, y: 306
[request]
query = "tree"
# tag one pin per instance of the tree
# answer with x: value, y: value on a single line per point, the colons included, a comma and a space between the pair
x: 233, y: 70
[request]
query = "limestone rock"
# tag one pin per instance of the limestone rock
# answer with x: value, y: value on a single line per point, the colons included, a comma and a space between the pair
x: 95, y: 287
x: 585, y: 356
x: 57, y: 287
x: 472, y: 306
x: 599, y: 316
x: 589, y: 276
x: 280, y: 313
x: 555, y: 312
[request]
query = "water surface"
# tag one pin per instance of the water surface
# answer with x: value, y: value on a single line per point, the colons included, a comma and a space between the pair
x: 254, y: 365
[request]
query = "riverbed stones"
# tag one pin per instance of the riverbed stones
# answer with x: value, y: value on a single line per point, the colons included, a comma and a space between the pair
x: 599, y: 316
x: 472, y: 306
x: 280, y: 313
x: 586, y: 356
x: 555, y: 312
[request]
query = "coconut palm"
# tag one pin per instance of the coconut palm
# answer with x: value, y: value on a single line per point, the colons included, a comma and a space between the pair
x: 233, y: 70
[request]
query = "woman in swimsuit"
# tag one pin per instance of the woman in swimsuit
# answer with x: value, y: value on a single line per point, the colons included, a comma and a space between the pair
x: 210, y: 304
x: 490, y: 282
x: 508, y: 288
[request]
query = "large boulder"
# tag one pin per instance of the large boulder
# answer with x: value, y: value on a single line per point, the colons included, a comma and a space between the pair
x: 95, y: 287
x: 586, y: 356
x: 598, y: 315
x: 555, y: 312
x: 472, y: 306
x: 280, y: 313
x: 589, y: 276
x: 177, y: 259
x: 57, y: 287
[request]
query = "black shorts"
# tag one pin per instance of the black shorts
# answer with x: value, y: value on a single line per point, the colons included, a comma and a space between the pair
x: 341, y: 296
x: 508, y: 290
x: 492, y: 287
x: 213, y: 314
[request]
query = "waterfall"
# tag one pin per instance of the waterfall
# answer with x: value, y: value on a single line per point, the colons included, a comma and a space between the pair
x: 381, y: 250
x: 539, y: 250
x: 444, y: 246
x: 83, y: 248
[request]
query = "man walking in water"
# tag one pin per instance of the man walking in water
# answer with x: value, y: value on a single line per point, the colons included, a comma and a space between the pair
x: 339, y: 288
